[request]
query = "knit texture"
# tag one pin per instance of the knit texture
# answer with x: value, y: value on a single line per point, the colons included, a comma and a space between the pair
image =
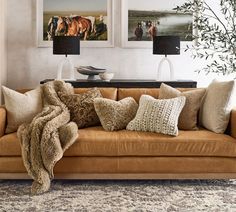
x: 45, y: 139
x: 160, y: 116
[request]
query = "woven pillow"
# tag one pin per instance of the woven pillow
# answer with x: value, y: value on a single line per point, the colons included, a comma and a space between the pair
x: 189, y: 116
x: 115, y: 115
x: 81, y: 107
x: 160, y: 116
x: 217, y: 105
x: 21, y: 108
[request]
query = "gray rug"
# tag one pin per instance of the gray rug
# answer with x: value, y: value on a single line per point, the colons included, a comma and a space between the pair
x: 122, y: 196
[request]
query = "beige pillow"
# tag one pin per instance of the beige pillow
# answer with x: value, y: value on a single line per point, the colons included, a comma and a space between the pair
x: 189, y: 116
x: 217, y: 105
x: 21, y: 108
x: 160, y: 116
x: 81, y: 107
x: 115, y: 115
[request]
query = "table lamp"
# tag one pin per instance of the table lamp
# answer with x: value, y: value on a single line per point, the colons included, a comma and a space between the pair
x: 166, y: 45
x: 66, y: 45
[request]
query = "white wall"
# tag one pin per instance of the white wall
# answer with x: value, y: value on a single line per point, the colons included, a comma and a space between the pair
x: 3, y: 52
x: 27, y: 64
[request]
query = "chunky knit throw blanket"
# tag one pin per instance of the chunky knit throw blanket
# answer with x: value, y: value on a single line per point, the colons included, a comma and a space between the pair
x: 45, y: 139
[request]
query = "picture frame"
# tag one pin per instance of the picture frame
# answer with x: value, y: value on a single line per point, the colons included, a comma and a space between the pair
x: 109, y: 42
x: 127, y: 41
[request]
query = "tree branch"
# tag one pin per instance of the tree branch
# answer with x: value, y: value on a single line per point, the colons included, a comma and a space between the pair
x: 226, y: 31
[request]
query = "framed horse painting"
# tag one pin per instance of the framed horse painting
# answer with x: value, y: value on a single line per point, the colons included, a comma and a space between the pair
x: 142, y: 19
x: 92, y: 20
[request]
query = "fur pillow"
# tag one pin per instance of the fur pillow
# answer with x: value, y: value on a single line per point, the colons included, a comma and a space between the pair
x: 81, y: 107
x: 160, y: 116
x: 217, y: 105
x: 115, y: 115
x: 189, y: 116
x: 21, y: 108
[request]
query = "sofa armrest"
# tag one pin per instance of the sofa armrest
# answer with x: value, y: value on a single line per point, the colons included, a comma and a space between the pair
x: 3, y: 120
x: 233, y: 123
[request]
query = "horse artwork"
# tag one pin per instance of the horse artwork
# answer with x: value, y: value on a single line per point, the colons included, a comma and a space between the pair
x: 91, y: 20
x: 62, y: 27
x: 52, y: 26
x: 88, y: 28
x: 89, y: 23
x: 157, y: 19
x: 85, y: 27
x: 143, y: 20
x: 73, y: 27
x: 139, y: 32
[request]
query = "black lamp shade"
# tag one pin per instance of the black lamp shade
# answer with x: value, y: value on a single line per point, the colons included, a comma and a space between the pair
x: 66, y: 45
x: 166, y: 45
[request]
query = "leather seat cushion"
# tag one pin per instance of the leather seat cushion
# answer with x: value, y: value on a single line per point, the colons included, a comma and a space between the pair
x: 96, y: 142
x: 139, y: 165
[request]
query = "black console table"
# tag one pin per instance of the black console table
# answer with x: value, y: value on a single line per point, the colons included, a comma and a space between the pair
x: 125, y: 83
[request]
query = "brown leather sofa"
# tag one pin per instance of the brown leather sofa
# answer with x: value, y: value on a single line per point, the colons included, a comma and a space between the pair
x: 98, y: 154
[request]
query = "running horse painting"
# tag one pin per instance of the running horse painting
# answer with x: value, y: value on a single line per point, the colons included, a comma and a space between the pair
x: 52, y: 26
x: 90, y: 20
x: 62, y: 27
x: 84, y: 26
x: 75, y: 26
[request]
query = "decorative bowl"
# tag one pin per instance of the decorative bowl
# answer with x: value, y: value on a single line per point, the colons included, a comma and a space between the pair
x: 90, y: 71
x: 106, y: 76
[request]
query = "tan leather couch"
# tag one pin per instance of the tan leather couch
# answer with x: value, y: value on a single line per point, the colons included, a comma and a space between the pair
x: 132, y: 155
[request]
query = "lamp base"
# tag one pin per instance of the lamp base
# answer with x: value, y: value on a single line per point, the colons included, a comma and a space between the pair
x: 71, y: 69
x: 171, y: 69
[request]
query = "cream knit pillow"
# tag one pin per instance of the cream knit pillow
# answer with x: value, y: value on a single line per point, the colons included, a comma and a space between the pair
x: 160, y: 116
x: 217, y: 105
x: 21, y: 108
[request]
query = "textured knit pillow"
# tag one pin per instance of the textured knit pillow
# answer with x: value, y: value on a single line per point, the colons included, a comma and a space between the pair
x: 189, y: 116
x: 115, y: 115
x: 21, y: 108
x: 160, y: 116
x: 217, y: 105
x: 81, y: 107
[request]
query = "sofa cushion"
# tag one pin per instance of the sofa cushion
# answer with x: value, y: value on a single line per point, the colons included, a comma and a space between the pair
x: 136, y: 93
x: 115, y: 115
x: 21, y: 108
x: 81, y: 107
x: 10, y: 145
x: 157, y: 115
x: 125, y: 167
x: 95, y: 141
x: 217, y: 104
x: 188, y: 117
x: 109, y: 93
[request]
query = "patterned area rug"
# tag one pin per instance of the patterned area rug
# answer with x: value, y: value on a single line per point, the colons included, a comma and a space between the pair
x: 104, y: 196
